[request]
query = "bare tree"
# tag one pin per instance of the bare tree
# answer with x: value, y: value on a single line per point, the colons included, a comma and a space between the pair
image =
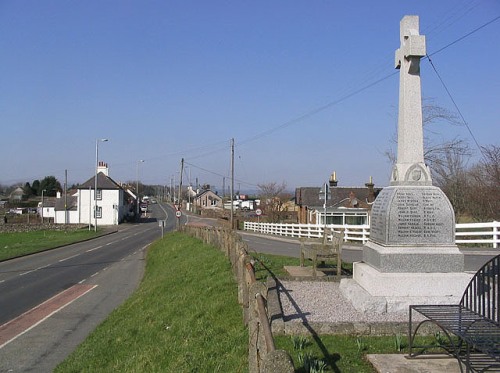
x: 484, y: 197
x: 272, y: 200
x: 450, y: 174
x: 435, y: 153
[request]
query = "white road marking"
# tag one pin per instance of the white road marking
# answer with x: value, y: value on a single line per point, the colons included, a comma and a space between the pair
x: 95, y: 248
x: 33, y: 270
x: 69, y: 257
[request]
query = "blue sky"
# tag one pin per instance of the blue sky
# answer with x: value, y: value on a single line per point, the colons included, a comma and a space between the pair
x: 304, y: 87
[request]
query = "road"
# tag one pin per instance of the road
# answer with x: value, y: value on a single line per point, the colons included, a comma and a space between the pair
x: 63, y: 294
x: 473, y: 258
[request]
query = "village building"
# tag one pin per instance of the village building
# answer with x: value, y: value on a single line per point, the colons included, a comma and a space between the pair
x: 207, y: 199
x: 113, y: 206
x: 344, y: 205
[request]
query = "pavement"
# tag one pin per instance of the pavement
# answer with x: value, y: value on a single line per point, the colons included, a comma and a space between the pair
x: 398, y: 363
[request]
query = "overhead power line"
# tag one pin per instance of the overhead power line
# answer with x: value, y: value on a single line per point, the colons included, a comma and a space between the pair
x: 465, y: 36
x: 354, y: 93
x: 455, y: 104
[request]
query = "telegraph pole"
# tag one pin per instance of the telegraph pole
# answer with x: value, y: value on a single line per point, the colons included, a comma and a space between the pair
x: 65, y: 197
x: 180, y: 184
x: 232, y: 183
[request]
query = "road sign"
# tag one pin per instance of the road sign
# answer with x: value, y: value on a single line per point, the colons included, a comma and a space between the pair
x: 178, y: 214
x: 258, y: 212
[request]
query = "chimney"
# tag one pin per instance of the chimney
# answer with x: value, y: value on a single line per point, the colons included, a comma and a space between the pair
x: 371, y: 191
x: 333, y: 180
x: 103, y: 167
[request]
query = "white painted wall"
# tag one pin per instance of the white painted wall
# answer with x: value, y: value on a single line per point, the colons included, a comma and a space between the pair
x: 71, y: 217
x: 113, y: 210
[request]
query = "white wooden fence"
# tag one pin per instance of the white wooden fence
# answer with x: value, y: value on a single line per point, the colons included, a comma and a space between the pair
x: 474, y: 234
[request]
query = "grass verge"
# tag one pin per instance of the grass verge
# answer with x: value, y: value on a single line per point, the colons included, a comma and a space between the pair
x: 273, y: 265
x: 13, y: 245
x: 342, y: 353
x: 184, y: 317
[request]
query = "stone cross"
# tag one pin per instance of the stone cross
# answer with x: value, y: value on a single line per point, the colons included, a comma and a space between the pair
x: 410, y: 168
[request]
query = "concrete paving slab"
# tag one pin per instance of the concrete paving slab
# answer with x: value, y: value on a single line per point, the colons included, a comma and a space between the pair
x: 400, y: 363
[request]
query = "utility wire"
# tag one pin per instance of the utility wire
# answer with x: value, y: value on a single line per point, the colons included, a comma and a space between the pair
x: 218, y: 174
x: 365, y: 87
x: 343, y: 98
x: 455, y: 104
x: 465, y: 36
x: 315, y: 111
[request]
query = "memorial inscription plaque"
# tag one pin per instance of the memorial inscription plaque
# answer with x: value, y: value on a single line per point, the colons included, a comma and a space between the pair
x: 416, y: 216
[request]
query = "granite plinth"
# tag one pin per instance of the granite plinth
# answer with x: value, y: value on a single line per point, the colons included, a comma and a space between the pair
x: 372, y: 291
x: 417, y: 259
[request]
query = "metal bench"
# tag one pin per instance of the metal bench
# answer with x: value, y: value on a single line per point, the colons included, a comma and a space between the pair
x: 329, y: 248
x: 475, y: 322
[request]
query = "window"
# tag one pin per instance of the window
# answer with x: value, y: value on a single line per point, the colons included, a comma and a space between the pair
x: 99, y: 194
x: 355, y: 220
x: 344, y: 217
x: 98, y: 212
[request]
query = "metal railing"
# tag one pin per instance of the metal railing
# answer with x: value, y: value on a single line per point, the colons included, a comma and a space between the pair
x: 478, y: 234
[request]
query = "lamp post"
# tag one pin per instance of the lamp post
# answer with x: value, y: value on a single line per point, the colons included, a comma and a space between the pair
x: 324, y: 194
x: 43, y: 190
x: 171, y: 194
x: 97, y: 141
x: 137, y: 184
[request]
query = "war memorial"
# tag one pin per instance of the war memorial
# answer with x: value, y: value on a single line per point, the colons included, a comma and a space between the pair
x: 411, y: 257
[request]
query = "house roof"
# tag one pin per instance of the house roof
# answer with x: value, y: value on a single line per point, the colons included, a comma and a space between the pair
x: 202, y: 193
x: 17, y: 192
x: 339, y: 196
x: 71, y: 206
x: 103, y: 182
x: 49, y: 202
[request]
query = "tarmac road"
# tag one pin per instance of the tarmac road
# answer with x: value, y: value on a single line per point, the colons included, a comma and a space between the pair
x: 80, y: 285
x: 474, y: 258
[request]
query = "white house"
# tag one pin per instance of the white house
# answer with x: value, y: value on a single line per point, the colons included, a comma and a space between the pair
x: 113, y: 203
x: 207, y: 199
x: 66, y: 209
x: 47, y: 211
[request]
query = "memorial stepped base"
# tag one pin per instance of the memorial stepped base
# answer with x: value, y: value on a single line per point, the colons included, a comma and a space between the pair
x: 418, y: 259
x: 373, y: 291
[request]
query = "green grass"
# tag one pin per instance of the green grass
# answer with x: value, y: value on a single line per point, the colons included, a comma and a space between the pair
x: 344, y: 353
x: 273, y: 265
x: 183, y: 318
x: 13, y: 245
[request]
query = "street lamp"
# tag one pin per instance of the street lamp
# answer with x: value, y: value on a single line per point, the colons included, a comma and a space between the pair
x: 137, y: 184
x: 324, y: 195
x: 97, y: 141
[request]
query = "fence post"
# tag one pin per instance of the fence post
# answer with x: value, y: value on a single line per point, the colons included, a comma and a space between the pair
x: 277, y: 361
x: 257, y: 338
x: 495, y: 234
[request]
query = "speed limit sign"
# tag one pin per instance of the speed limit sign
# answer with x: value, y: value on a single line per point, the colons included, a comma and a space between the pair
x: 258, y: 212
x: 178, y: 214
